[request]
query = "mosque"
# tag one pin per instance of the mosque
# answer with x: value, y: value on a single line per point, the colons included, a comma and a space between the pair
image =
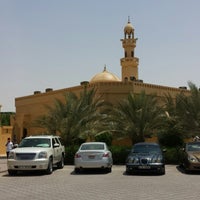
x: 108, y: 85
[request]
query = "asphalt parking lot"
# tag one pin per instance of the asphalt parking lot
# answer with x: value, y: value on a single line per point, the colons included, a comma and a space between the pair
x: 64, y: 184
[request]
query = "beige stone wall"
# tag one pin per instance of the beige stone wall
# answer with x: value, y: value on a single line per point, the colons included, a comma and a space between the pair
x: 5, y: 133
x: 28, y: 108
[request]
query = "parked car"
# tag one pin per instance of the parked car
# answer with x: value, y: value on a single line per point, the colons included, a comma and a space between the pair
x: 190, y: 158
x: 145, y: 157
x: 93, y: 155
x: 37, y: 153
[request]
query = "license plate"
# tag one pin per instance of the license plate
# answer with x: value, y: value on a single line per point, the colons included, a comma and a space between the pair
x: 91, y: 156
x: 24, y: 167
x: 144, y: 167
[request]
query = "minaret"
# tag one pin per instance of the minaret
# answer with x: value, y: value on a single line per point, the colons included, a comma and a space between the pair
x: 129, y: 63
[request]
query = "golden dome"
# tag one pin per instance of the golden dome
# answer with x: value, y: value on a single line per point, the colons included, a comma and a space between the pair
x: 128, y: 28
x: 104, y: 76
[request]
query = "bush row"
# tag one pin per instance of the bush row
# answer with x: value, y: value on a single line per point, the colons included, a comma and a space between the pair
x: 119, y: 153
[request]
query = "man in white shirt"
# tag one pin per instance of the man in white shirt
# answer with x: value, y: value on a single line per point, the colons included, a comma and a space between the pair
x: 9, y: 146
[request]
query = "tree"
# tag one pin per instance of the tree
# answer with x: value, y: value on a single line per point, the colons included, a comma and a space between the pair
x: 189, y: 110
x: 5, y: 118
x: 76, y: 118
x: 137, y: 116
x: 182, y: 115
x: 170, y: 134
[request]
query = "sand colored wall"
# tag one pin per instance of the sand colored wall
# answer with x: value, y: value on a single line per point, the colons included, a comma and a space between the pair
x: 28, y: 108
x: 5, y: 133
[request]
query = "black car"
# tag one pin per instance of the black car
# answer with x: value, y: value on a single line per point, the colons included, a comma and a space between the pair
x: 145, y: 157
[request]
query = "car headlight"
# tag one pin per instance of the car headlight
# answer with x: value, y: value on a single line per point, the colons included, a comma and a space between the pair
x: 133, y: 160
x: 42, y: 154
x: 11, y: 155
x: 192, y: 158
x: 157, y: 159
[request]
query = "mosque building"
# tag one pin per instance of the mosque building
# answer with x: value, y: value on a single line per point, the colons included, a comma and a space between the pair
x: 107, y: 84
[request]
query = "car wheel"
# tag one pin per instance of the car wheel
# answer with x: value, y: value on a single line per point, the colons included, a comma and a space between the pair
x: 109, y: 169
x: 77, y: 170
x: 12, y: 172
x: 187, y: 171
x: 60, y: 165
x: 162, y: 171
x: 181, y: 165
x: 50, y: 166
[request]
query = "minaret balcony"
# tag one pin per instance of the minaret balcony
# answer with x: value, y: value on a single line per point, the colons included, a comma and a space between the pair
x: 130, y: 60
x: 128, y: 41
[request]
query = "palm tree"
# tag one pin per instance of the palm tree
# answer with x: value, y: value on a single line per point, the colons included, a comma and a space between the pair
x: 137, y: 116
x: 183, y: 113
x: 94, y: 120
x: 171, y: 132
x: 76, y: 117
x: 189, y: 110
x: 171, y: 117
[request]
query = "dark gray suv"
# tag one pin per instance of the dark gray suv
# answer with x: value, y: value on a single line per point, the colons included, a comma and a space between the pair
x: 145, y: 157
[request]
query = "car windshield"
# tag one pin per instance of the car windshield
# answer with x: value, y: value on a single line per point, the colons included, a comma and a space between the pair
x: 146, y: 148
x: 92, y: 147
x: 193, y: 146
x: 35, y: 142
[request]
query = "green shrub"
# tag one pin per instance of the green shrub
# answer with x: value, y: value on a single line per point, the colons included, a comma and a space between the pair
x: 170, y: 139
x: 172, y: 155
x: 119, y: 154
x: 69, y: 154
x: 105, y: 137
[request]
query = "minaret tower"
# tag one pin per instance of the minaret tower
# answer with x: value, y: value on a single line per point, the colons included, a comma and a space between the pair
x: 129, y: 63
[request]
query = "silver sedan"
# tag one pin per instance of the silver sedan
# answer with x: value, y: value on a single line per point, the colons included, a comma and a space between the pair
x: 93, y: 155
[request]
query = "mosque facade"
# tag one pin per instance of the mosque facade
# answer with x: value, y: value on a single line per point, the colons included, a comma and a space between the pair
x: 112, y: 89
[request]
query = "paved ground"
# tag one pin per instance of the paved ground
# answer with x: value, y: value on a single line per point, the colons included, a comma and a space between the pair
x: 65, y: 185
x: 3, y: 164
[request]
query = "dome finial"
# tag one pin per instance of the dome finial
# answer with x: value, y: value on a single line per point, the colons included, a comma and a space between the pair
x: 129, y: 19
x: 104, y: 68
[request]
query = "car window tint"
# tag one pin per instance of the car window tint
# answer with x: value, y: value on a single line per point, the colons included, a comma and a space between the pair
x: 35, y: 142
x: 146, y: 149
x: 193, y: 147
x: 57, y: 141
x: 53, y: 141
x: 43, y: 142
x: 92, y: 147
x: 61, y: 141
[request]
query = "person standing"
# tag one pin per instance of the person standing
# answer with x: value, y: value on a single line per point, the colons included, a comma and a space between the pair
x: 9, y: 146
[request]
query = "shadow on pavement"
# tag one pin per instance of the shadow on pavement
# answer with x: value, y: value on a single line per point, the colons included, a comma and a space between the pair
x: 142, y: 174
x: 90, y: 172
x: 183, y: 171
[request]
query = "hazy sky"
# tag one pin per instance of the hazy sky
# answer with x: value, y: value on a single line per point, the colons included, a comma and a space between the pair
x: 59, y: 43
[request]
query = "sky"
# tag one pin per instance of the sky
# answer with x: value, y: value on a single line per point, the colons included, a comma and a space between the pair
x: 59, y: 43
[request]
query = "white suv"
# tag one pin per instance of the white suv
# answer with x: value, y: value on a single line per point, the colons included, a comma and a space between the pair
x: 37, y: 153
